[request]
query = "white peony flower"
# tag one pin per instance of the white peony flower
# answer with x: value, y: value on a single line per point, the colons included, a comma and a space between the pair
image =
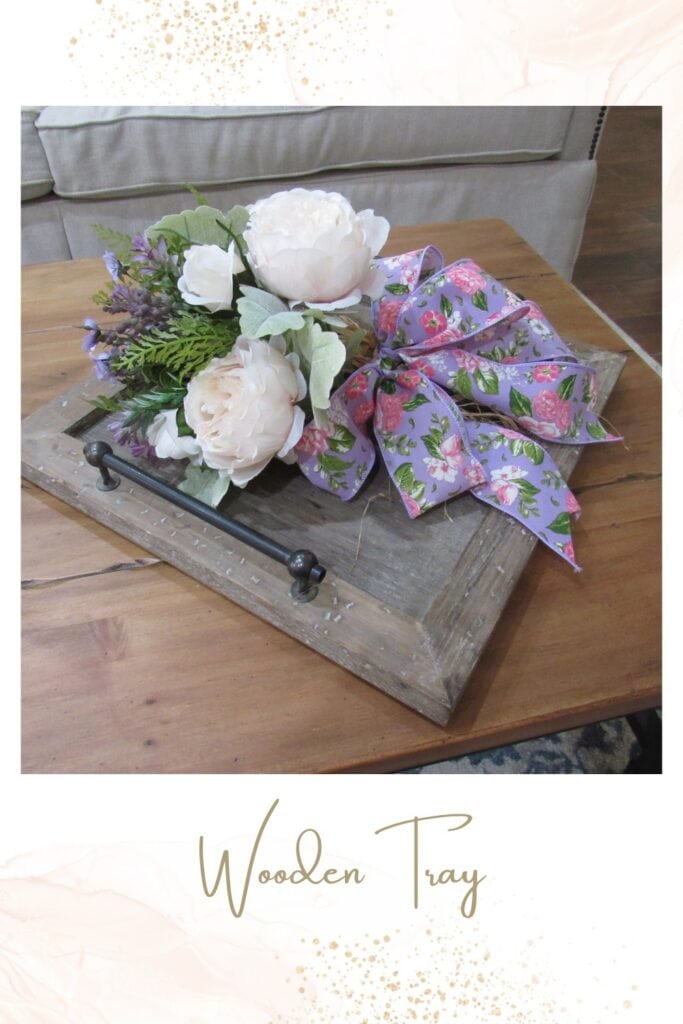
x: 207, y: 276
x: 162, y: 434
x: 311, y: 246
x: 243, y: 408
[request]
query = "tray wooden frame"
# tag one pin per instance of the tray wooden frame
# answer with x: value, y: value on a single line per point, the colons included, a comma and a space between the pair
x: 422, y: 656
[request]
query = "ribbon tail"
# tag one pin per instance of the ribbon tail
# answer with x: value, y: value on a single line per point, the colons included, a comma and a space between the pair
x: 523, y: 480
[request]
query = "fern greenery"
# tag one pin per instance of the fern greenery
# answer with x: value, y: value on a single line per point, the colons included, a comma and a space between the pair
x: 183, y: 347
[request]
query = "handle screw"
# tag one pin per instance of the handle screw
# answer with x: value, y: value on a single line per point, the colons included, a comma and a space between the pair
x: 95, y: 452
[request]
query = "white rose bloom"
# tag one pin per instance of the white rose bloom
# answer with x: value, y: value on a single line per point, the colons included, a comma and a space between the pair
x: 162, y: 434
x: 207, y: 276
x: 243, y: 408
x: 312, y: 247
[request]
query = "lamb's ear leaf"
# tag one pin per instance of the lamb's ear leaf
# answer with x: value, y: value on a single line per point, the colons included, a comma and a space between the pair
x: 323, y: 355
x: 263, y: 314
x: 205, y: 484
x: 203, y: 226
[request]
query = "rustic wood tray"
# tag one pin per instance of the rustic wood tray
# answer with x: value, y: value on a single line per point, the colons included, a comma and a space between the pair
x: 407, y: 605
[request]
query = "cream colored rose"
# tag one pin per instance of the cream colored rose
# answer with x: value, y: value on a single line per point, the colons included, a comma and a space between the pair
x: 207, y: 278
x: 162, y: 434
x: 243, y: 408
x: 311, y: 246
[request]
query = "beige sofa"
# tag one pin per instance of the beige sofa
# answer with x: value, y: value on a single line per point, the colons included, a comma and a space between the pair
x: 127, y: 166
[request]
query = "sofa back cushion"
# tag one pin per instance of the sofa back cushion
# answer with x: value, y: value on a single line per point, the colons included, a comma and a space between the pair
x: 119, y: 151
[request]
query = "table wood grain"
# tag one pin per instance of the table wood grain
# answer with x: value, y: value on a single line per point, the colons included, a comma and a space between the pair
x: 131, y: 666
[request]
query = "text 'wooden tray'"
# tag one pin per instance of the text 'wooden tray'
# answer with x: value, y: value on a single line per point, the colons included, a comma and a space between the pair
x: 407, y: 605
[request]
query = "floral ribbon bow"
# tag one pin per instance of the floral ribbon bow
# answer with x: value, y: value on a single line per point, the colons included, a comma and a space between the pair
x: 459, y: 329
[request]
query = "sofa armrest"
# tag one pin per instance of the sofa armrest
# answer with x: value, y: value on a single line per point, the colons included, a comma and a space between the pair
x: 583, y: 133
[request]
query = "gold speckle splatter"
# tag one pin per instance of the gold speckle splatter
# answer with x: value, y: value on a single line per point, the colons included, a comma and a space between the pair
x: 435, y: 979
x: 228, y: 37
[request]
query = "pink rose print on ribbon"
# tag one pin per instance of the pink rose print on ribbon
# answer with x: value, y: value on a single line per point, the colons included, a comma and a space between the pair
x: 313, y: 441
x: 474, y: 473
x: 548, y: 407
x: 548, y: 431
x: 507, y: 309
x: 466, y: 361
x: 534, y: 312
x: 511, y: 434
x: 467, y: 277
x: 389, y: 412
x: 409, y: 379
x: 503, y: 483
x: 356, y: 386
x: 387, y: 315
x: 424, y: 366
x: 447, y: 467
x: 363, y: 411
x: 563, y: 416
x: 451, y: 447
x: 510, y: 359
x: 571, y: 504
x: 411, y: 505
x: 545, y: 405
x: 433, y: 322
x: 568, y: 550
x: 546, y: 371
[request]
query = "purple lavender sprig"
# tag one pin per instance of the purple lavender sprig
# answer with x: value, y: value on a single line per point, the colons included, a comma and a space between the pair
x: 146, y: 310
x: 123, y: 434
x: 153, y: 264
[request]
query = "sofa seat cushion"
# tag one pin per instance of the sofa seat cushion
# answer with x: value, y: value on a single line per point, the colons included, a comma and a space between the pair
x: 120, y: 151
x: 36, y: 179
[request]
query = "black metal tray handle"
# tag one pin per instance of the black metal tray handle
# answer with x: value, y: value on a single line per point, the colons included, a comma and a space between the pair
x: 302, y: 565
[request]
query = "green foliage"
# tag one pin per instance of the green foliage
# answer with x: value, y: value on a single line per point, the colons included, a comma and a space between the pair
x: 263, y: 314
x: 205, y: 484
x: 342, y: 440
x: 201, y: 200
x: 520, y: 405
x: 404, y: 475
x: 561, y: 523
x: 323, y: 355
x: 596, y: 430
x: 117, y: 241
x: 460, y: 382
x: 487, y: 381
x: 184, y: 347
x: 415, y: 402
x: 142, y: 404
x: 566, y: 388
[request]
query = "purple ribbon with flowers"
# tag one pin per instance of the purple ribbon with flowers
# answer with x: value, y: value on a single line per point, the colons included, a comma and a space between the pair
x: 456, y: 329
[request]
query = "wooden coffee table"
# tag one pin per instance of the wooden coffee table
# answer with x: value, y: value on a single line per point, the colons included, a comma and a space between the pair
x: 131, y: 666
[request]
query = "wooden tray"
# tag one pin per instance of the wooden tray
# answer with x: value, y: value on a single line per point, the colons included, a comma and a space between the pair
x: 407, y: 605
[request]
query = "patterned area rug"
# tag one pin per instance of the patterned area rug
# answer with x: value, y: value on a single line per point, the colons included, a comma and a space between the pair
x: 605, y: 748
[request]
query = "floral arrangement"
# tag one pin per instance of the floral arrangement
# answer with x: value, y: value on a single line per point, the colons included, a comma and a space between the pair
x: 243, y: 337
